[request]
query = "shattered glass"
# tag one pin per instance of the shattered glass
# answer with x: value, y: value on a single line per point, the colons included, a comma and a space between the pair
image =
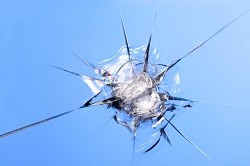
x: 141, y: 99
x: 140, y: 88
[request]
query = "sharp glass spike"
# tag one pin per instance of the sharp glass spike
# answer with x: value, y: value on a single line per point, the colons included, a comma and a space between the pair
x: 145, y: 64
x: 125, y: 37
x: 165, y: 136
x: 156, y: 143
x: 34, y: 124
x: 160, y: 76
x: 178, y: 98
x: 105, y: 101
x: 79, y: 75
x: 186, y: 138
x: 216, y: 33
x: 84, y: 61
x: 43, y: 121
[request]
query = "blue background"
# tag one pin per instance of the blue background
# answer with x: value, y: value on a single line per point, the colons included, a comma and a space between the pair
x: 36, y: 34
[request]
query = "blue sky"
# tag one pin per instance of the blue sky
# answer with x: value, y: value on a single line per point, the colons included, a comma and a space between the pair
x: 36, y: 34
